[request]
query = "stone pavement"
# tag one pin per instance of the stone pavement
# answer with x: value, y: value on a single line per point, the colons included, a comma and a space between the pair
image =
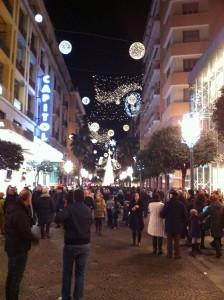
x: 117, y: 271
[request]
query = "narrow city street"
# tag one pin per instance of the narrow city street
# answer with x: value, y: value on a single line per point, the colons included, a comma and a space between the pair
x: 117, y: 270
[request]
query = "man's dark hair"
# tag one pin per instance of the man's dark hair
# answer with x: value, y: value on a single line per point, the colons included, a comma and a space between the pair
x: 78, y: 195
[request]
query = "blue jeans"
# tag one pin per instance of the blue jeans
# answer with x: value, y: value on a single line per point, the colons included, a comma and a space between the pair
x: 16, y: 268
x: 74, y: 256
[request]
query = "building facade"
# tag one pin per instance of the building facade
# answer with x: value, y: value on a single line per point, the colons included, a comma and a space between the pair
x: 36, y: 91
x: 207, y: 80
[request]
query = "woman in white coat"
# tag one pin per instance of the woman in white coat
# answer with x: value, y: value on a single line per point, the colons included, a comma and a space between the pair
x: 156, y: 226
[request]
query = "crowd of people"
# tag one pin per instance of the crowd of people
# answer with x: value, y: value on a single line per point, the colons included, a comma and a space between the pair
x: 175, y: 216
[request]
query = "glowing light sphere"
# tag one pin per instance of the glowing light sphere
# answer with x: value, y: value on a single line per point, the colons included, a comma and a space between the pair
x: 94, y: 127
x: 118, y: 102
x: 68, y: 166
x: 94, y: 141
x: 38, y: 18
x: 137, y: 50
x: 86, y: 100
x: 94, y: 151
x: 105, y: 155
x: 113, y: 143
x: 133, y: 109
x: 132, y: 99
x: 126, y: 127
x: 110, y: 133
x: 65, y: 47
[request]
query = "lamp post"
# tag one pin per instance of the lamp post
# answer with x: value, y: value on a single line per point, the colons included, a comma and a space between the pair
x: 68, y: 167
x: 191, y: 130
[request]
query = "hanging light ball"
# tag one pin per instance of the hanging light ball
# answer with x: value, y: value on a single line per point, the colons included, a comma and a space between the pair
x: 137, y: 50
x: 105, y: 155
x: 110, y: 133
x: 86, y: 100
x: 65, y: 47
x: 118, y: 102
x: 94, y: 141
x: 132, y: 99
x: 126, y: 127
x: 38, y: 18
x: 94, y: 127
x: 94, y: 151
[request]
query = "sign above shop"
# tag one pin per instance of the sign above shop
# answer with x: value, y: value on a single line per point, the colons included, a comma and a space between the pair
x: 45, y: 119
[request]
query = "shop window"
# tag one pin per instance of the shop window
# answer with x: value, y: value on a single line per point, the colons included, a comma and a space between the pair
x: 191, y: 36
x: 190, y: 8
x: 188, y: 64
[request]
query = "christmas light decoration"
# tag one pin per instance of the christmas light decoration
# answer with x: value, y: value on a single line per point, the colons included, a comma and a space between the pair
x: 109, y: 175
x: 100, y: 137
x: 65, y: 47
x: 94, y: 151
x: 94, y: 141
x: 38, y: 18
x: 137, y: 50
x: 105, y: 155
x: 111, y: 133
x: 113, y: 143
x: 132, y: 99
x: 126, y: 127
x: 133, y: 110
x: 86, y: 100
x: 94, y: 127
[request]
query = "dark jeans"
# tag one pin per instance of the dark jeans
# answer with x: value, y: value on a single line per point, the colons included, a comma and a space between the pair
x: 157, y: 242
x: 45, y: 229
x: 74, y: 256
x: 136, y: 234
x: 109, y: 218
x: 16, y: 268
x: 217, y: 246
x: 99, y: 224
x: 173, y: 242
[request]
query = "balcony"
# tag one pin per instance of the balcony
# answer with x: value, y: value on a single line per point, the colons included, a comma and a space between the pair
x: 20, y: 67
x: 8, y: 6
x: 32, y: 83
x: 184, y: 22
x: 4, y: 47
x: 34, y: 51
x: 175, y: 79
x: 22, y: 31
x: 174, y: 113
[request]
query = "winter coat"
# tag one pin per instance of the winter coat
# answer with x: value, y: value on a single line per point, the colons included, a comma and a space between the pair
x: 77, y: 221
x: 18, y: 235
x: 100, y: 208
x: 175, y: 216
x: 156, y: 226
x: 195, y: 227
x: 215, y: 211
x: 89, y: 202
x: 136, y: 216
x: 10, y: 200
x: 45, y: 209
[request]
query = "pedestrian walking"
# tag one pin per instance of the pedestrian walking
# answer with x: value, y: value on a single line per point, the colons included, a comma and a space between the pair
x: 99, y: 212
x: 195, y: 232
x: 77, y: 220
x: 216, y: 213
x: 2, y: 214
x: 156, y: 226
x: 136, y: 219
x: 45, y: 209
x: 116, y: 212
x: 175, y: 216
x: 18, y: 242
x: 110, y: 208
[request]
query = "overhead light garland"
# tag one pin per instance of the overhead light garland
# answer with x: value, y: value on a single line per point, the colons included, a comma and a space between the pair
x: 86, y: 100
x: 94, y: 127
x: 133, y: 109
x: 137, y: 50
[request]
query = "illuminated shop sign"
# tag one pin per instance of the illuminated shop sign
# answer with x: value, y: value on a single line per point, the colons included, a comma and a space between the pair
x: 45, y: 95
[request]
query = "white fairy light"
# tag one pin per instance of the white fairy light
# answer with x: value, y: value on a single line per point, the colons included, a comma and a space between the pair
x: 38, y: 18
x: 113, y: 143
x: 94, y: 151
x: 132, y: 99
x: 86, y: 100
x: 94, y: 127
x: 111, y: 133
x: 94, y: 141
x: 137, y: 50
x: 126, y: 127
x: 65, y: 47
x: 105, y: 155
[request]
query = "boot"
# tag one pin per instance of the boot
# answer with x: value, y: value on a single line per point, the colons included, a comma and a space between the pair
x: 134, y: 238
x: 197, y: 248
x: 193, y: 250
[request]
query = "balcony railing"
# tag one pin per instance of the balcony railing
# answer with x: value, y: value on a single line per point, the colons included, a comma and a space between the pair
x: 8, y: 6
x: 20, y: 67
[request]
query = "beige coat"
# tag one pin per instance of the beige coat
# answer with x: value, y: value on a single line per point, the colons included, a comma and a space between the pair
x: 156, y: 225
x: 100, y: 207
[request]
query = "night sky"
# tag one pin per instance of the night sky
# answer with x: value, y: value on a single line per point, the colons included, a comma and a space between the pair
x: 121, y: 22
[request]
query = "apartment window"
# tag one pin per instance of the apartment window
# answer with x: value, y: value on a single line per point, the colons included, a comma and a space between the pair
x: 22, y: 23
x: 186, y: 95
x: 168, y: 73
x: 191, y: 36
x: 17, y: 123
x: 168, y: 101
x: 188, y: 64
x: 190, y: 8
x: 2, y: 115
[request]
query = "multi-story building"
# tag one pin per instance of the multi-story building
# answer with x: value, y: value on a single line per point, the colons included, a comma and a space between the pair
x: 206, y: 81
x: 36, y: 91
x: 150, y: 116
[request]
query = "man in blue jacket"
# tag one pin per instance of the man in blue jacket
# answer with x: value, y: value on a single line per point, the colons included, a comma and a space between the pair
x: 77, y: 221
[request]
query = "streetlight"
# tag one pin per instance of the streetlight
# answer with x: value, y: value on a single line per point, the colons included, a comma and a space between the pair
x: 68, y: 167
x: 191, y: 130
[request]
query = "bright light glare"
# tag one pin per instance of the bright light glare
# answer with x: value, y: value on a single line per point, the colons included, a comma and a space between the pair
x: 84, y: 173
x: 65, y: 47
x: 190, y: 129
x: 68, y: 166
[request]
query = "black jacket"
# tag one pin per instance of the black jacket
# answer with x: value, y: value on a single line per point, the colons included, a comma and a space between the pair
x: 45, y: 209
x: 175, y: 216
x: 77, y: 221
x: 18, y: 230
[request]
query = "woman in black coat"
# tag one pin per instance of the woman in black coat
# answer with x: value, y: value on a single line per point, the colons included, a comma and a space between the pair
x: 136, y: 219
x: 45, y: 209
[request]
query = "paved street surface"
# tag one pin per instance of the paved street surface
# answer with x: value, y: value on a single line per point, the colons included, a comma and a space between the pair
x: 117, y: 271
